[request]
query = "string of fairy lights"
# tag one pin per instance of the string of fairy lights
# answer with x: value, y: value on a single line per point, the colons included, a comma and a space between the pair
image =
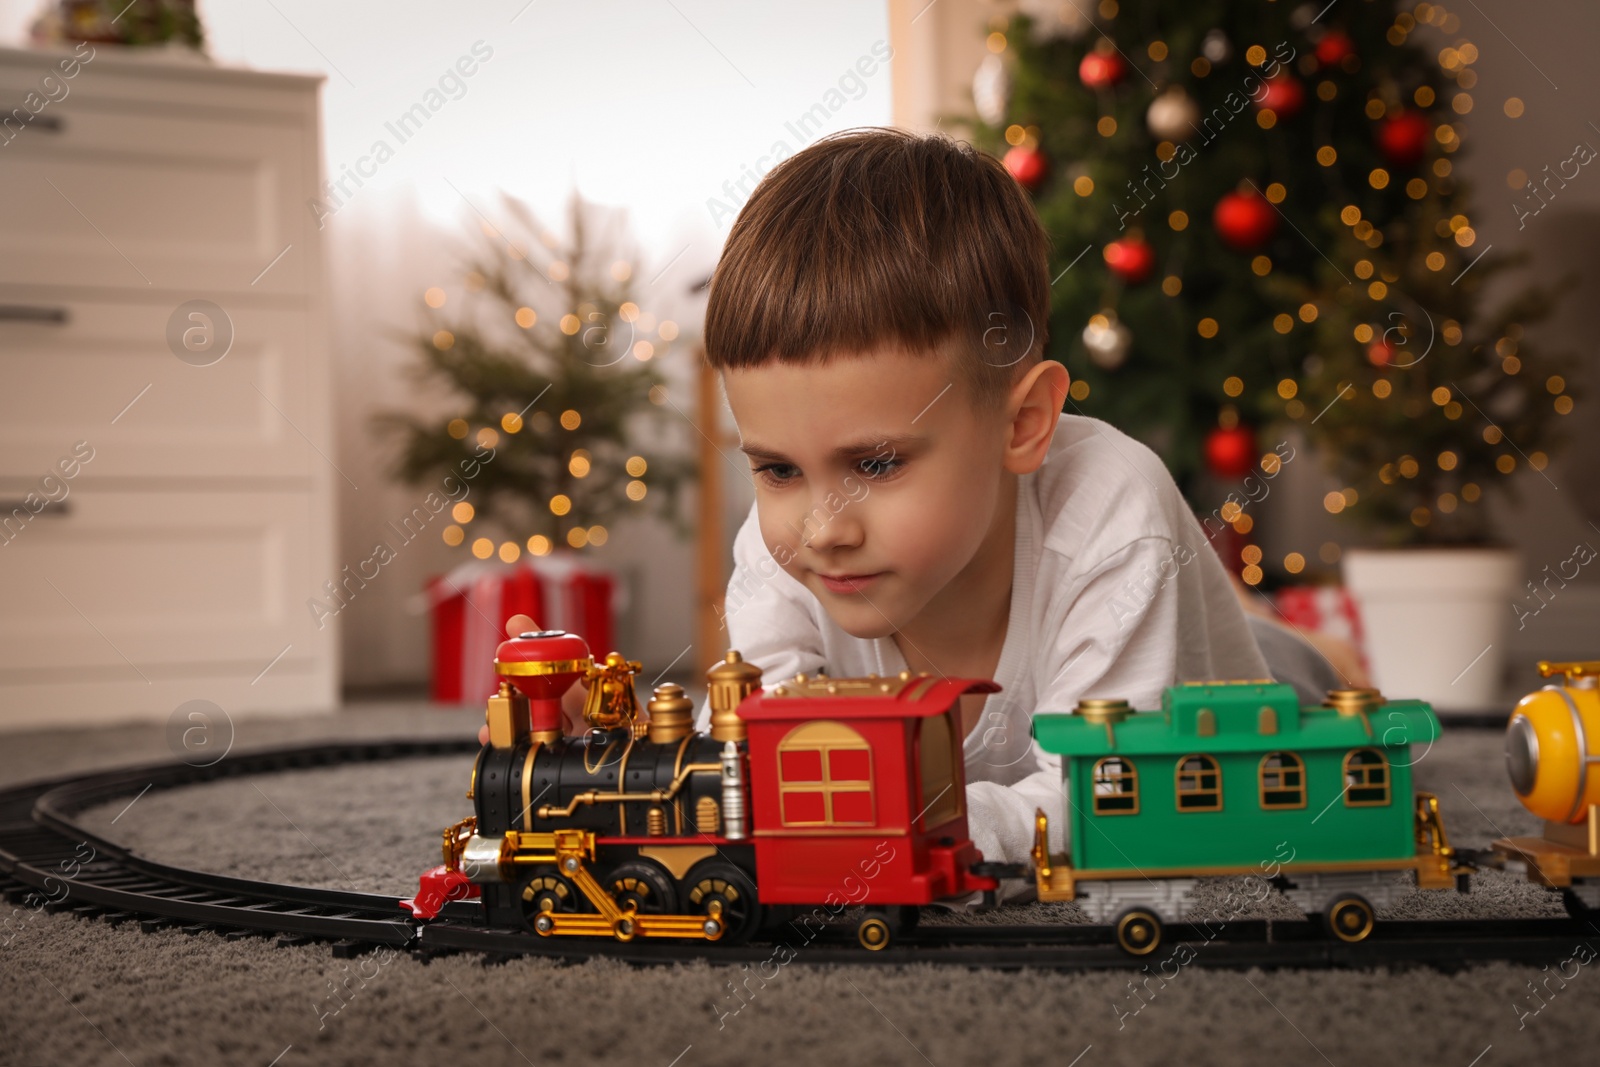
x: 580, y: 462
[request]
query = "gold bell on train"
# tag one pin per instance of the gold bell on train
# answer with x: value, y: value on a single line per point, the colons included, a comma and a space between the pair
x: 611, y: 701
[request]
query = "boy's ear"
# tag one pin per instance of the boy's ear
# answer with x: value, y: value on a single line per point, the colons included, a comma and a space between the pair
x: 1036, y: 406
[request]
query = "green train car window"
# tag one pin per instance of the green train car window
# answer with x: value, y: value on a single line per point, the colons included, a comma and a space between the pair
x: 1366, y: 779
x: 1199, y: 784
x: 1116, y: 787
x: 1283, y: 781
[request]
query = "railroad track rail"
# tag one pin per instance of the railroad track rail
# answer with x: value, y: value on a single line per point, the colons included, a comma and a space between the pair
x: 50, y: 861
x: 53, y: 861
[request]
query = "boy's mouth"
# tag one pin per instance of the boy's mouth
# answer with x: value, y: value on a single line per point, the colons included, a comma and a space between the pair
x: 848, y: 583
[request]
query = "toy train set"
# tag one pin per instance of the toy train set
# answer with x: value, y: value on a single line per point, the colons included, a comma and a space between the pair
x: 823, y: 789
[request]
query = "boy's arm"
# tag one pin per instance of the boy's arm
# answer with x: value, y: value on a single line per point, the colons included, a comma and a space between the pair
x: 1117, y: 637
x: 767, y: 615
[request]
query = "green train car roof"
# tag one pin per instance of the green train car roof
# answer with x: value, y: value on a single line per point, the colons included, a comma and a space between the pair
x: 1235, y: 717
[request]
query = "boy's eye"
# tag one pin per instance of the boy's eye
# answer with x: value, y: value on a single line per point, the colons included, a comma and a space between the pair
x: 779, y: 474
x: 775, y: 473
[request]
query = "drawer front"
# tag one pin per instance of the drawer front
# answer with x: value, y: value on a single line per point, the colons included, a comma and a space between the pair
x: 105, y: 374
x: 97, y: 194
x: 136, y: 587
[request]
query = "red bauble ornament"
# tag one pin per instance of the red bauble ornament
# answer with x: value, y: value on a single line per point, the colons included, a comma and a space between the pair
x: 1403, y: 138
x: 1028, y: 165
x: 1102, y: 70
x: 1131, y: 259
x: 1334, y: 47
x: 1380, y: 353
x: 1231, y: 452
x: 1282, y: 95
x: 1245, y: 220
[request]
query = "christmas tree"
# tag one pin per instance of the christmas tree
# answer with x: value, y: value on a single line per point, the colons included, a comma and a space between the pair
x: 1257, y: 222
x: 550, y: 369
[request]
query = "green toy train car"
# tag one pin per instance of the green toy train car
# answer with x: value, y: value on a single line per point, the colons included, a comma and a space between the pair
x: 1238, y: 778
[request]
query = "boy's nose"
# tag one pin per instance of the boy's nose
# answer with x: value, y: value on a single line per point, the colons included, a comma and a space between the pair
x: 829, y: 525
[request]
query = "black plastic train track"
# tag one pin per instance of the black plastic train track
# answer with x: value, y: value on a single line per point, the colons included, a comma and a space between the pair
x: 50, y: 862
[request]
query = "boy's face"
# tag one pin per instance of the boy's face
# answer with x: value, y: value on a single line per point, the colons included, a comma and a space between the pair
x: 872, y: 465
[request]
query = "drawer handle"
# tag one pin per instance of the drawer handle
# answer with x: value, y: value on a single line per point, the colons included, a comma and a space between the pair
x: 58, y: 510
x: 33, y: 313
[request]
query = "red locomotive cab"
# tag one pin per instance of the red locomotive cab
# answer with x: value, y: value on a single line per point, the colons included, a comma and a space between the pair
x: 858, y: 791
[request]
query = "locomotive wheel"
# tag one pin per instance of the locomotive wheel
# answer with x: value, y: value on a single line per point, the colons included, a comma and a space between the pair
x: 644, y: 885
x: 1349, y: 917
x: 725, y: 894
x: 1138, y: 931
x: 873, y: 931
x: 546, y: 893
x: 880, y: 927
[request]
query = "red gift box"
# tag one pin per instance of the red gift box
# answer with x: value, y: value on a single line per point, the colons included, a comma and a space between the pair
x: 471, y: 604
x: 1328, y: 609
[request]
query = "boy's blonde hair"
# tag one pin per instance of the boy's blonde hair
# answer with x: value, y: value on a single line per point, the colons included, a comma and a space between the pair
x: 880, y: 237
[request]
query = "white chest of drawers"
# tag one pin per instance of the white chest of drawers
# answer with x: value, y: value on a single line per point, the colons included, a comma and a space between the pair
x: 175, y: 562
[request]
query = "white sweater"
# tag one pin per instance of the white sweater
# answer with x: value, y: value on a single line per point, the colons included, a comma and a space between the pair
x: 1115, y: 592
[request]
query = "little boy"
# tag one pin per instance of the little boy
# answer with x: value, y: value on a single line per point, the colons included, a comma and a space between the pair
x: 878, y: 316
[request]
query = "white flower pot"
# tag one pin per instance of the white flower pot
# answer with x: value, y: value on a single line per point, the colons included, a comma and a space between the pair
x: 1436, y: 620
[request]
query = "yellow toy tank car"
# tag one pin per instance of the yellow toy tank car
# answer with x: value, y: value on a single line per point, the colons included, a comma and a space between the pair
x: 1553, y: 760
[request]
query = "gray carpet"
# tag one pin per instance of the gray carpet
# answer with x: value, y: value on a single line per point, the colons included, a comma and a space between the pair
x: 79, y: 992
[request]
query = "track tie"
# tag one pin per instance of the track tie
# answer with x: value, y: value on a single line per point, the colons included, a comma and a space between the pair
x: 294, y: 940
x: 123, y: 880
x: 150, y: 926
x: 349, y: 950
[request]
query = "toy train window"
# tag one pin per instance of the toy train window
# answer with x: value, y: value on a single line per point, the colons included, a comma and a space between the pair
x: 941, y: 800
x: 1199, y: 784
x: 825, y: 776
x: 1116, y: 786
x: 1366, y: 779
x: 1283, y: 781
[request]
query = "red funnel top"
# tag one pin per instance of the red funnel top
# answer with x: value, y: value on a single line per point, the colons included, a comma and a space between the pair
x: 543, y: 664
